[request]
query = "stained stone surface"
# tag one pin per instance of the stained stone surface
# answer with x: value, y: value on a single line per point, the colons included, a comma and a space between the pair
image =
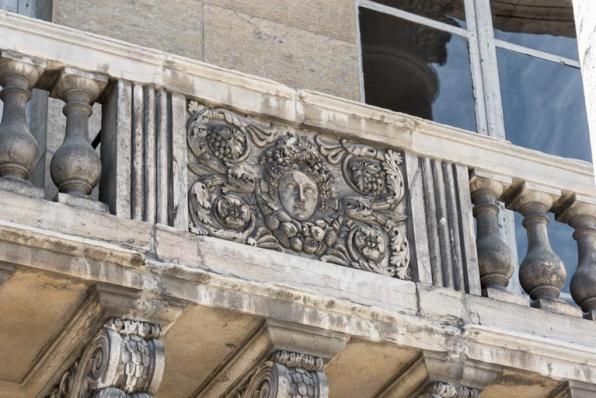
x: 291, y: 56
x: 172, y: 26
x: 310, y: 15
x: 286, y: 41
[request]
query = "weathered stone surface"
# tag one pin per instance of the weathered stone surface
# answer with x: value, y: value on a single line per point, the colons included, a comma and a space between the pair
x: 24, y: 316
x: 311, y: 15
x: 21, y: 188
x: 61, y: 218
x: 277, y: 51
x: 82, y: 202
x: 282, y: 269
x: 173, y: 26
x: 378, y: 364
x: 206, y: 342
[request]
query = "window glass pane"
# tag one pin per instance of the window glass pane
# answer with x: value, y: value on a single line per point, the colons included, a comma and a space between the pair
x: 545, y: 25
x: 417, y: 70
x: 449, y: 12
x: 543, y: 105
x: 561, y: 240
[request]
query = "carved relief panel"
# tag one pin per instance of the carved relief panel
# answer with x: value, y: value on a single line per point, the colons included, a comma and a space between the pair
x: 278, y: 188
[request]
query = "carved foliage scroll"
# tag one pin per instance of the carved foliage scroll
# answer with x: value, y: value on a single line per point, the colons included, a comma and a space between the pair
x: 125, y: 360
x: 318, y: 197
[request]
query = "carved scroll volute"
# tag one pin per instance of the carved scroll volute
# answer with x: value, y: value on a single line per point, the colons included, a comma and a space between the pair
x: 580, y: 213
x: 288, y: 375
x: 125, y: 360
x: 542, y: 273
x: 495, y: 258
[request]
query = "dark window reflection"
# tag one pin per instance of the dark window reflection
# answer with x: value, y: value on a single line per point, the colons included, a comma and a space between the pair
x: 448, y: 11
x: 561, y: 240
x: 417, y: 70
x: 543, y: 105
x: 545, y: 25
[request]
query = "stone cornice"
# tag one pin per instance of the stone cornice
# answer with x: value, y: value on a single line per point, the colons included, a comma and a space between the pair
x: 277, y: 284
x: 62, y: 46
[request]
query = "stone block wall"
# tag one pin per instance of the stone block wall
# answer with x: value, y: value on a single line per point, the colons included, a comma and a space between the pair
x: 307, y: 44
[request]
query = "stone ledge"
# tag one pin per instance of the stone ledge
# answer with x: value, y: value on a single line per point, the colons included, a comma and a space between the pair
x: 506, y: 296
x: 82, y: 203
x: 24, y: 188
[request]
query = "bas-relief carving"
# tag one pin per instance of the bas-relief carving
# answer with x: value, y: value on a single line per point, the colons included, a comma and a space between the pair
x: 287, y: 375
x: 125, y: 360
x: 317, y: 197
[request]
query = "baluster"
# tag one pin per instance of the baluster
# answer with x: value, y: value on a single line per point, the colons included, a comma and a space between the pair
x: 580, y: 213
x: 542, y: 273
x: 495, y: 258
x: 18, y: 148
x: 76, y: 167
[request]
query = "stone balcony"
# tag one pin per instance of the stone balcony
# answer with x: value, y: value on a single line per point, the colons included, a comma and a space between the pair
x: 249, y: 233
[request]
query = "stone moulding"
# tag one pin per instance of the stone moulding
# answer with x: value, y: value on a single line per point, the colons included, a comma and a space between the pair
x: 125, y: 360
x: 317, y: 196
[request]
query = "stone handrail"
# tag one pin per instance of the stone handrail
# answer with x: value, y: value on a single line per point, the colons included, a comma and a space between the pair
x: 402, y: 178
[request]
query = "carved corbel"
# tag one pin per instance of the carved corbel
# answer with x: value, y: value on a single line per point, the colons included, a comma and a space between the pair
x: 125, y: 360
x: 288, y: 375
x: 279, y: 360
x: 434, y: 375
x: 444, y: 390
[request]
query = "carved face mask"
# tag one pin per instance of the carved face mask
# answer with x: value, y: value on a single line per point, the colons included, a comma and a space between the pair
x: 298, y: 194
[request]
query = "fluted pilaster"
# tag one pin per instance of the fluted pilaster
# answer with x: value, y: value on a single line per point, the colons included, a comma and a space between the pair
x: 18, y: 148
x: 76, y: 167
x: 580, y: 213
x: 542, y: 273
x: 495, y: 258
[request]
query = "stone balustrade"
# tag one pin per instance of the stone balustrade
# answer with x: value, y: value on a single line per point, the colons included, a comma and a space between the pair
x: 245, y: 159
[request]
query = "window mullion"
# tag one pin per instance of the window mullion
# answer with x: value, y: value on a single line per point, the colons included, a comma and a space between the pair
x: 490, y: 74
x: 476, y: 68
x: 537, y: 53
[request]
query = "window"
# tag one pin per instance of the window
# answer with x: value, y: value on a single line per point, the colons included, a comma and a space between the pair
x: 504, y: 68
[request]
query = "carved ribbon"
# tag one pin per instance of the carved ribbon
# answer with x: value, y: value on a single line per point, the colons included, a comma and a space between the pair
x: 124, y: 360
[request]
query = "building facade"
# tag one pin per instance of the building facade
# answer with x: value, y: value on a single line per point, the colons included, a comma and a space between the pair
x: 342, y: 198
